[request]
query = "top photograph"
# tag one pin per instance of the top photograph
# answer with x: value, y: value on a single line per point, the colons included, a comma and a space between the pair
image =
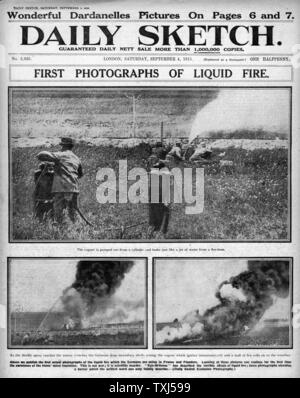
x: 191, y: 164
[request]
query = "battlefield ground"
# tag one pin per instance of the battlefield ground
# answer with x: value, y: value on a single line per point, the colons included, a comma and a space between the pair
x: 270, y: 334
x: 249, y: 201
x: 24, y: 332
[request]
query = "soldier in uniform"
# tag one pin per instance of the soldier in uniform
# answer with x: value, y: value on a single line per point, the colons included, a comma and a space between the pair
x: 176, y: 153
x: 159, y: 213
x: 43, y: 197
x: 203, y: 151
x: 67, y: 171
x: 158, y: 153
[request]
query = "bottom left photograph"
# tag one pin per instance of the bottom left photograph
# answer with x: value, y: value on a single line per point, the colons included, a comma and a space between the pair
x: 74, y: 302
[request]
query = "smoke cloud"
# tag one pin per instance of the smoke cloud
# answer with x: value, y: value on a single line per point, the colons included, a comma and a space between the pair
x: 243, y: 300
x: 99, y: 280
x: 90, y: 300
x: 252, y: 110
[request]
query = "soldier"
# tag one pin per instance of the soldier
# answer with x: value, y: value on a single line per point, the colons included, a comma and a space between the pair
x: 159, y: 213
x: 68, y: 170
x: 158, y: 153
x: 25, y: 339
x: 176, y: 153
x: 43, y: 197
x: 159, y: 150
x: 203, y: 151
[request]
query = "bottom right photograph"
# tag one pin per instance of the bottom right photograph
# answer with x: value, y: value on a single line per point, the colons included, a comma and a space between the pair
x: 222, y: 302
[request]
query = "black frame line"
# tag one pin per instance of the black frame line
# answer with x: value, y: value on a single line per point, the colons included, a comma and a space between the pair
x: 85, y: 347
x: 222, y: 347
x: 120, y: 88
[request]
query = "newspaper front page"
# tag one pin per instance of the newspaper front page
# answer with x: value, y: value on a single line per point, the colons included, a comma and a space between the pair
x: 149, y: 189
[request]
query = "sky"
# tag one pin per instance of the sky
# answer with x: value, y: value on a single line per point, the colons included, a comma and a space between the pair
x: 186, y: 285
x: 35, y: 284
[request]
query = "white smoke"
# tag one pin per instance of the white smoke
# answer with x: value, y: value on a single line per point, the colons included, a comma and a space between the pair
x: 191, y: 326
x: 183, y: 331
x: 231, y: 293
x: 109, y: 310
x: 191, y: 318
x: 248, y: 109
x: 116, y: 311
x: 72, y: 303
x: 187, y: 327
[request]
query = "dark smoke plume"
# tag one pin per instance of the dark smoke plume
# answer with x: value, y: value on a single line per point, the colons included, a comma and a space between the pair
x: 96, y: 281
x: 260, y: 283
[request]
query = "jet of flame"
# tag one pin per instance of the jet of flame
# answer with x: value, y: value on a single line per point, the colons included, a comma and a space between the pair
x: 237, y: 109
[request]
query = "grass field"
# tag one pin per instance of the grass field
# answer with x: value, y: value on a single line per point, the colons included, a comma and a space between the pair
x: 246, y: 202
x: 81, y: 338
x: 26, y: 324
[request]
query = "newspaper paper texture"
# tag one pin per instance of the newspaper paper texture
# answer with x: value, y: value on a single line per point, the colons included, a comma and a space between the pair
x: 149, y: 189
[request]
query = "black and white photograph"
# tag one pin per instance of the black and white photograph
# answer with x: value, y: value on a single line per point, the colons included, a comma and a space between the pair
x: 74, y: 303
x: 83, y: 161
x: 150, y: 191
x: 228, y: 302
